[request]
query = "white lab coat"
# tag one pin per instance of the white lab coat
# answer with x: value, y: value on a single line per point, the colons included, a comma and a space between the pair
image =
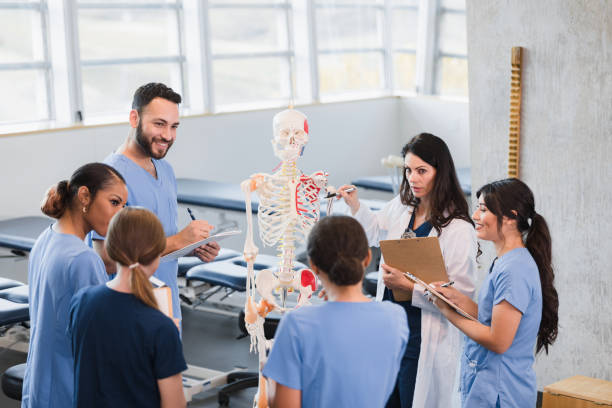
x: 441, y: 342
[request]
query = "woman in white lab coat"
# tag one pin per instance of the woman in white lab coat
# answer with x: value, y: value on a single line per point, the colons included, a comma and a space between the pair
x: 430, y: 203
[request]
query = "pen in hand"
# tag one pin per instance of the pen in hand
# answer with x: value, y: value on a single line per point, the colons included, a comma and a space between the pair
x: 348, y: 190
x: 444, y: 285
x: 191, y: 214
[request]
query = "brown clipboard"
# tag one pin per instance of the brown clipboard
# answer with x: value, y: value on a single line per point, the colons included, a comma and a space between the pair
x: 421, y: 257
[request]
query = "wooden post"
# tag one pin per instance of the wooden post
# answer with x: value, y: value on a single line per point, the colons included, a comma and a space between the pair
x: 515, y: 112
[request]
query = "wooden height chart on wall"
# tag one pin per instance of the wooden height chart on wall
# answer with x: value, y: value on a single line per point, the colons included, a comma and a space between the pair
x: 515, y: 112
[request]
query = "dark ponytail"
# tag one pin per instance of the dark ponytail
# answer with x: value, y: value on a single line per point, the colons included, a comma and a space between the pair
x: 338, y: 246
x: 538, y: 243
x: 94, y: 176
x: 513, y: 199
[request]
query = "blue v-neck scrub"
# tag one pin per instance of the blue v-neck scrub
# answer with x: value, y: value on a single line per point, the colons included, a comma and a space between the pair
x: 59, y: 266
x: 159, y: 196
x: 489, y: 379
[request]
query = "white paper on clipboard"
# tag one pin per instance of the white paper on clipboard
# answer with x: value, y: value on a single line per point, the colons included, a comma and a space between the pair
x: 437, y: 294
x: 189, y: 248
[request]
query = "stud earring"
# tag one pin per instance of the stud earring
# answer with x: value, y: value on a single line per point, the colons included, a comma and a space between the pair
x: 84, y: 210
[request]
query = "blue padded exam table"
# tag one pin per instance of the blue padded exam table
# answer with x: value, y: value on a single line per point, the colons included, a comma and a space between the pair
x: 383, y: 183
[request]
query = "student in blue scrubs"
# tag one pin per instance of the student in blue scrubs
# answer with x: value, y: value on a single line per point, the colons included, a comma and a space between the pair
x: 154, y: 119
x: 345, y: 352
x: 126, y: 352
x: 517, y: 305
x: 60, y: 264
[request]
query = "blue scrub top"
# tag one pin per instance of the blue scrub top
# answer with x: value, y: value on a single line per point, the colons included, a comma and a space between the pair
x: 59, y: 265
x: 159, y: 196
x: 486, y: 376
x: 340, y: 354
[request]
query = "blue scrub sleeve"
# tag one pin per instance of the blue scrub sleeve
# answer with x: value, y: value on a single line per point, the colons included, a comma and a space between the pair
x: 87, y: 269
x: 168, y: 353
x: 284, y: 364
x: 512, y: 287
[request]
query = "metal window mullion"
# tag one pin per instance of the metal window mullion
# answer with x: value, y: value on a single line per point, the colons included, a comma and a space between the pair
x: 149, y: 6
x: 314, y: 52
x: 388, y: 45
x: 291, y: 56
x: 136, y: 60
x: 74, y: 61
x: 426, y: 46
x: 241, y: 55
x: 351, y: 6
x: 13, y: 66
x: 451, y: 55
x: 18, y: 5
x: 250, y: 6
x: 206, y: 52
x: 48, y: 74
x: 404, y: 51
x: 181, y: 50
x: 352, y: 51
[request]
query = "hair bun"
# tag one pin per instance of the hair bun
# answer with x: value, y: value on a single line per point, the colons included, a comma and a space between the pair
x: 54, y: 202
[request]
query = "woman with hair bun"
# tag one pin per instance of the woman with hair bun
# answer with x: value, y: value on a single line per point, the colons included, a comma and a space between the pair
x: 60, y: 264
x: 517, y: 305
x: 132, y: 356
x: 345, y: 352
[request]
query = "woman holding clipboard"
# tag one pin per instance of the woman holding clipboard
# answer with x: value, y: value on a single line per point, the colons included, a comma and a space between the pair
x: 517, y: 304
x: 430, y: 203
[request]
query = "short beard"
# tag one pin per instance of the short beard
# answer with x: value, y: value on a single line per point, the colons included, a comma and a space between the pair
x: 146, y: 145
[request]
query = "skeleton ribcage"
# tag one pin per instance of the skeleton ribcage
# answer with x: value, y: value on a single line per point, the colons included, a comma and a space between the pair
x: 275, y: 213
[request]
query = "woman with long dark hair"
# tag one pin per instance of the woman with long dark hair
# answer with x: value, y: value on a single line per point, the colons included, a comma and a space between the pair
x: 517, y: 304
x: 430, y: 203
x: 61, y: 264
x: 127, y: 353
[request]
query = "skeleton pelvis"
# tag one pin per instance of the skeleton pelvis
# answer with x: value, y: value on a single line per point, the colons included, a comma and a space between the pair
x: 303, y: 281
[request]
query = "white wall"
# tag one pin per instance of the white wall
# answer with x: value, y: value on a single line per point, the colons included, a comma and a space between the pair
x: 565, y: 152
x: 346, y: 139
x: 444, y: 118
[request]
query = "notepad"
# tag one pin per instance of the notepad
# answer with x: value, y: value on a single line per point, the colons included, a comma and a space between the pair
x: 420, y: 256
x: 189, y: 248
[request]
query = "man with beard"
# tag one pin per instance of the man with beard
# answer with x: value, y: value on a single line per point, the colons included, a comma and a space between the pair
x: 150, y: 179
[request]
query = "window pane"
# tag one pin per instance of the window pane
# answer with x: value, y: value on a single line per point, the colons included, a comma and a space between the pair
x: 350, y: 72
x: 250, y: 80
x: 127, y: 1
x: 348, y: 28
x: 414, y: 3
x: 453, y: 76
x: 453, y: 4
x: 109, y: 88
x: 24, y: 92
x: 332, y: 2
x: 453, y: 33
x: 127, y: 33
x: 404, y: 66
x: 212, y: 3
x: 235, y: 30
x: 405, y: 28
x: 20, y: 36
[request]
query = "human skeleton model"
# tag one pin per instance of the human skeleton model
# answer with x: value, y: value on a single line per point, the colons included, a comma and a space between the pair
x: 288, y: 208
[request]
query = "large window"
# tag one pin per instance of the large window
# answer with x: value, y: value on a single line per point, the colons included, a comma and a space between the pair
x: 451, y: 59
x: 123, y: 44
x: 25, y: 71
x: 350, y: 46
x: 250, y: 53
x: 69, y: 61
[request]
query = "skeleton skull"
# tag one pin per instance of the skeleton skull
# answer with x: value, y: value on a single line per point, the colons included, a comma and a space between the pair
x: 290, y: 134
